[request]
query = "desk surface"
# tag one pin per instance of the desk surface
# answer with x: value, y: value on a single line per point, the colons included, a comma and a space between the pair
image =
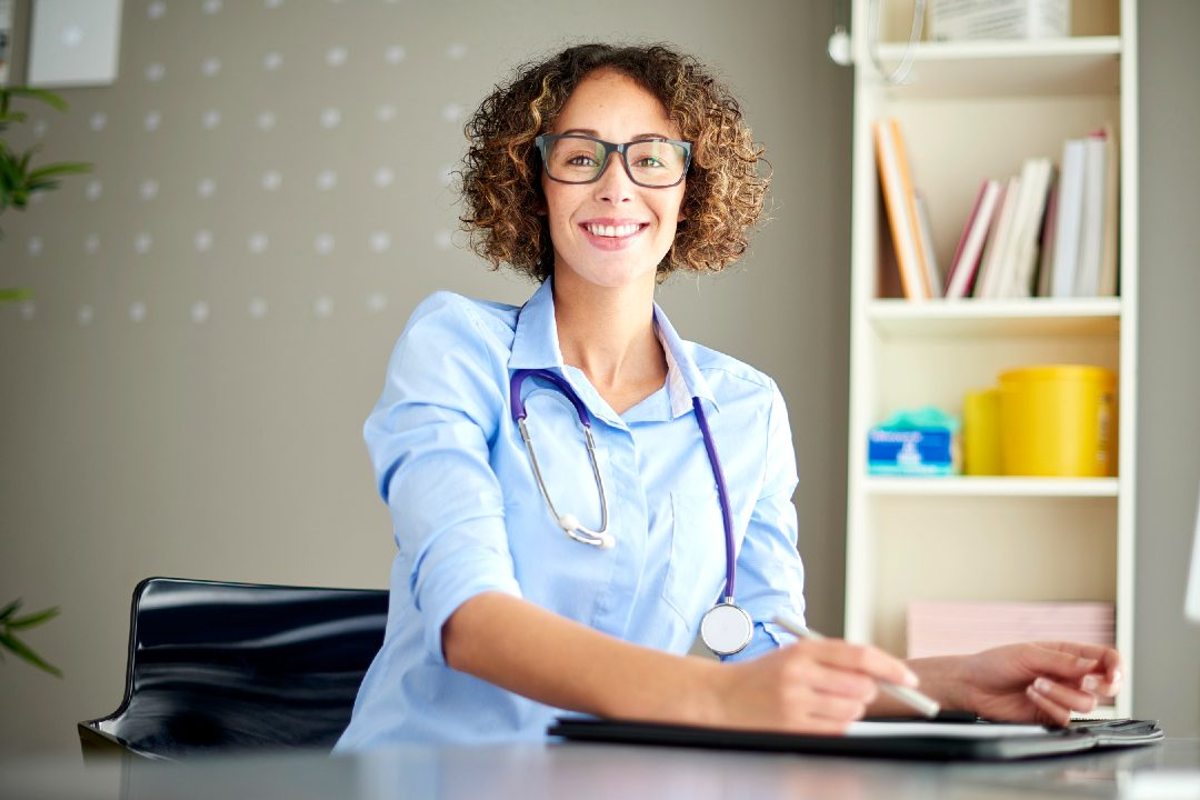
x: 584, y: 771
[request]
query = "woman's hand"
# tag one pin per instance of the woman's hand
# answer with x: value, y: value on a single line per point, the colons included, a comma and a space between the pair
x: 1039, y: 681
x: 811, y: 686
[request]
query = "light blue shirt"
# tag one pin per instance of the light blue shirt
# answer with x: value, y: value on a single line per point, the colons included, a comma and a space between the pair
x: 469, y: 517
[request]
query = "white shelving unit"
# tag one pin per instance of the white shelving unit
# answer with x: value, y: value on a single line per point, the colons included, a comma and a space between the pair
x: 973, y: 110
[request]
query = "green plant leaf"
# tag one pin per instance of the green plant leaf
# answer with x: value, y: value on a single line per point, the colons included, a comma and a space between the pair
x: 14, y: 295
x: 32, y: 620
x: 61, y: 168
x: 23, y: 651
x: 15, y: 605
x: 41, y: 95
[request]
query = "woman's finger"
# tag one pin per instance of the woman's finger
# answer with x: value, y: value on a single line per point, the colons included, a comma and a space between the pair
x: 1053, y: 711
x: 1065, y: 696
x: 842, y: 683
x: 865, y: 659
x: 834, y: 708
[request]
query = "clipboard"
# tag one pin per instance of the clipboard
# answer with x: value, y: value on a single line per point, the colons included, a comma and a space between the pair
x: 937, y: 741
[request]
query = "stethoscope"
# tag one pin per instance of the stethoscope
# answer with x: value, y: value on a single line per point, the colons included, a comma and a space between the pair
x: 725, y: 628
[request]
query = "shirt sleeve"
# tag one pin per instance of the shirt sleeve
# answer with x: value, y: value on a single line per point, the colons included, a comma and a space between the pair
x: 428, y: 441
x: 770, y: 574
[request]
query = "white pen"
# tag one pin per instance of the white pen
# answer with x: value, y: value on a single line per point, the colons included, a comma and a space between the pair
x: 922, y: 703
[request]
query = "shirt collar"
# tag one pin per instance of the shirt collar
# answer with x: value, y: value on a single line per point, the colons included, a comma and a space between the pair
x: 535, y: 346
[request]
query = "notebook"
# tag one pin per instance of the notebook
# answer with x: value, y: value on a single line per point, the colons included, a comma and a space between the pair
x: 929, y: 741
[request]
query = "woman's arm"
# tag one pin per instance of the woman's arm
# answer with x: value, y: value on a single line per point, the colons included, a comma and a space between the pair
x: 807, y: 687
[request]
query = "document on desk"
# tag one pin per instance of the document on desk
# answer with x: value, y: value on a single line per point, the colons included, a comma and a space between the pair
x: 949, y: 730
x: 931, y: 741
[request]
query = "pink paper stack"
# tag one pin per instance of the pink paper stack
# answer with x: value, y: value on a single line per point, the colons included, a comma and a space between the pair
x: 937, y: 628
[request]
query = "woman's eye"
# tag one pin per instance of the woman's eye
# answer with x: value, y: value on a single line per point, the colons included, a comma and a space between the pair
x: 649, y: 161
x: 582, y: 161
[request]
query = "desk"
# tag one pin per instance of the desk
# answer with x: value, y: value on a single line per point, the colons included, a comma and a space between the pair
x: 586, y: 771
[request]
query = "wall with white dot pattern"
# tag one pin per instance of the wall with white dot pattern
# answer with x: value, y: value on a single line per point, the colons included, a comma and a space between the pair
x: 214, y: 304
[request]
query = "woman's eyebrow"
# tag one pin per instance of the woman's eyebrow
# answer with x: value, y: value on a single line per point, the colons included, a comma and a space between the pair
x: 596, y: 134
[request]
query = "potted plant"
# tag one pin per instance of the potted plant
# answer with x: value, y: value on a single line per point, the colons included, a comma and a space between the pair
x: 20, y: 179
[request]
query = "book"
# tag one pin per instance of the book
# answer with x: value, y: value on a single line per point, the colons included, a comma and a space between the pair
x: 1070, y: 211
x: 1091, y: 229
x: 900, y: 204
x: 1108, y: 261
x: 1022, y: 262
x: 933, y: 276
x: 1049, y: 232
x: 965, y: 264
x: 988, y: 284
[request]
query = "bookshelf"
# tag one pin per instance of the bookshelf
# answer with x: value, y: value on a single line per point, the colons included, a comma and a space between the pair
x: 970, y: 111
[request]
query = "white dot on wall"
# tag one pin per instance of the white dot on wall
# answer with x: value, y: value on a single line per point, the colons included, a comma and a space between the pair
x: 210, y: 67
x: 71, y: 36
x: 272, y: 61
x: 379, y: 241
x: 206, y: 187
x: 28, y: 310
x: 91, y: 244
x: 258, y: 308
x: 394, y: 54
x: 383, y: 177
x: 156, y: 10
x: 203, y: 241
x: 211, y: 119
x: 34, y: 246
x: 148, y: 189
x: 93, y: 190
x: 386, y: 112
x: 443, y: 239
x: 446, y: 175
x: 323, y: 244
x: 330, y: 118
x: 326, y: 180
x: 376, y: 302
x: 137, y: 311
x: 272, y: 3
x: 98, y: 121
x: 142, y: 242
x: 38, y: 198
x: 336, y: 56
x: 456, y: 51
x: 151, y: 121
x: 212, y: 6
x: 323, y: 307
x: 199, y: 312
x: 272, y: 180
x: 155, y: 72
x: 40, y: 127
x: 451, y: 112
x: 85, y: 315
x: 265, y: 120
x: 258, y: 242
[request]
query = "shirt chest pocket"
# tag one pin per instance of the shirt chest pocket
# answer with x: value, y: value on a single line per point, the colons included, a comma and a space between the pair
x: 695, y: 575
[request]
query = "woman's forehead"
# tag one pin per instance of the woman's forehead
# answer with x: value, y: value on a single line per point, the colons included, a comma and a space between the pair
x: 611, y: 100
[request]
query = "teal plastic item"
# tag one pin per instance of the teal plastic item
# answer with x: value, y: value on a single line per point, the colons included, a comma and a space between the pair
x: 920, y: 419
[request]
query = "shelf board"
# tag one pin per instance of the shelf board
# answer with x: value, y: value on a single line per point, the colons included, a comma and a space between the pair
x: 962, y: 486
x: 1042, y: 316
x: 1046, y: 67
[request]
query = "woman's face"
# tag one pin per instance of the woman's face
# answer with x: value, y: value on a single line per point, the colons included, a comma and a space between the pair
x: 611, y: 233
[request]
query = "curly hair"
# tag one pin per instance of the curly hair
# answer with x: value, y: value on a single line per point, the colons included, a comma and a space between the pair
x: 500, y: 179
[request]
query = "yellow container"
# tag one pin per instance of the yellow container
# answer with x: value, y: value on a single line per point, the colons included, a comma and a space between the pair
x: 1059, y: 420
x: 981, y: 433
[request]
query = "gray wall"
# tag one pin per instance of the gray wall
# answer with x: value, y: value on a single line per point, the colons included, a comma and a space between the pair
x: 1166, y: 649
x: 230, y: 447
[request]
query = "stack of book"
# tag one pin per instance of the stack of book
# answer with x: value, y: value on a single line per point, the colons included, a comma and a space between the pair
x: 939, y: 628
x: 1047, y: 232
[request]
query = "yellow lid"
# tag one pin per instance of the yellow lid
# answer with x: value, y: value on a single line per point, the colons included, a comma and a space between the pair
x: 1060, y: 372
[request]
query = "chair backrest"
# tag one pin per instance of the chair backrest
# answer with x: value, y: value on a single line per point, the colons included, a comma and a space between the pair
x: 227, y: 666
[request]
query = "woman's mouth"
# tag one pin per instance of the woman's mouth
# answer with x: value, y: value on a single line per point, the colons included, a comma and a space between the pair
x: 612, y: 237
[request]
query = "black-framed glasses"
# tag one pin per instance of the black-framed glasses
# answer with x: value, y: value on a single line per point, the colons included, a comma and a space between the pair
x: 577, y: 158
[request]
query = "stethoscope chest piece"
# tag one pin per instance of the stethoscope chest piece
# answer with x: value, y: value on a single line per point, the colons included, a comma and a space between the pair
x: 726, y: 629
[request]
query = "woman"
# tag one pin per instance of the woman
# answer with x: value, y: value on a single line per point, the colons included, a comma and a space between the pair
x: 537, y: 576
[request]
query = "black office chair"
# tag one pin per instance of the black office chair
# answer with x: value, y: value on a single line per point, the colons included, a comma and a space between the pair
x: 219, y: 666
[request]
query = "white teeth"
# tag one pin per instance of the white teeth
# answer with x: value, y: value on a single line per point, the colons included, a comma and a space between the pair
x: 613, y: 231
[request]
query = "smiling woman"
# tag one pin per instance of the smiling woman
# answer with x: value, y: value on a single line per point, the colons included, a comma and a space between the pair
x: 562, y: 475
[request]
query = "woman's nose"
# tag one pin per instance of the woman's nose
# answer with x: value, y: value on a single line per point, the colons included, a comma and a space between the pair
x: 614, y: 185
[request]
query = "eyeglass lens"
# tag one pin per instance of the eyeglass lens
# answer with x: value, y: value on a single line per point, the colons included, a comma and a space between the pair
x: 650, y: 163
